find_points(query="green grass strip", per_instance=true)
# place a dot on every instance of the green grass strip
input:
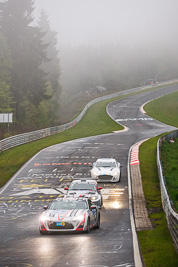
(156, 244)
(164, 109)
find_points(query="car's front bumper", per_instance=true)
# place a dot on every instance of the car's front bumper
(63, 226)
(107, 178)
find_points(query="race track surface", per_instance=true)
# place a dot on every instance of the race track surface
(43, 179)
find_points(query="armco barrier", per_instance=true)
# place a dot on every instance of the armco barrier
(20, 139)
(171, 215)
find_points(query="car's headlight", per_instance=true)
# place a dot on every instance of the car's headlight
(94, 198)
(115, 173)
(44, 218)
(95, 173)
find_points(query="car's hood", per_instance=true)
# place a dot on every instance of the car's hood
(104, 170)
(63, 214)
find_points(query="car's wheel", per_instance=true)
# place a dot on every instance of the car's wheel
(88, 226)
(119, 178)
(98, 222)
(101, 202)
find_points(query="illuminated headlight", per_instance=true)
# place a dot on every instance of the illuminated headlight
(95, 173)
(79, 218)
(94, 198)
(44, 218)
(115, 173)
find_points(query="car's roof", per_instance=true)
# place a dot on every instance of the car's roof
(106, 160)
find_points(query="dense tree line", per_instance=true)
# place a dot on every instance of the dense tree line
(29, 77)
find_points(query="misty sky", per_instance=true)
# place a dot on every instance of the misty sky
(117, 21)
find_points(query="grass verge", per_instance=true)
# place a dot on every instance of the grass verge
(164, 109)
(156, 244)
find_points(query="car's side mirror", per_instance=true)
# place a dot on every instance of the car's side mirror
(66, 188)
(45, 207)
(99, 188)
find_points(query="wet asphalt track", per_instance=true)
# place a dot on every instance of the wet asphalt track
(43, 178)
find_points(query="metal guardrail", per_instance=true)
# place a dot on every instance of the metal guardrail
(20, 139)
(171, 215)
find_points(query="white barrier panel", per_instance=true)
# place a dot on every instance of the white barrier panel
(6, 118)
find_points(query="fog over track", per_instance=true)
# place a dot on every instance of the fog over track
(101, 22)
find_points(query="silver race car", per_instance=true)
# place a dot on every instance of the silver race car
(69, 214)
(88, 188)
(106, 170)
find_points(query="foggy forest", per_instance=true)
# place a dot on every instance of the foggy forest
(55, 55)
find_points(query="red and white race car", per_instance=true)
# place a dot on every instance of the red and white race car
(70, 214)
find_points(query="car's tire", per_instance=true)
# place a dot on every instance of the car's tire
(119, 178)
(98, 222)
(88, 226)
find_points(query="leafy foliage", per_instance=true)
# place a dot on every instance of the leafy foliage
(156, 244)
(5, 94)
(169, 156)
(29, 83)
(52, 65)
(5, 66)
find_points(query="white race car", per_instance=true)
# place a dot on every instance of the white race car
(87, 188)
(69, 214)
(106, 170)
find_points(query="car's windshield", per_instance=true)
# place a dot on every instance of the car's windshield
(82, 186)
(105, 164)
(68, 205)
